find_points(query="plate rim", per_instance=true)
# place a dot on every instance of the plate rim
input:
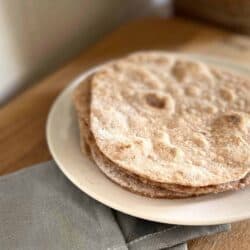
(79, 78)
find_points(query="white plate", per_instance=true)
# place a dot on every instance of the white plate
(63, 141)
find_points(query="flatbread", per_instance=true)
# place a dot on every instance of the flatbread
(128, 181)
(82, 99)
(172, 120)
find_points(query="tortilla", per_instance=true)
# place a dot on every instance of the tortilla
(82, 99)
(171, 120)
(123, 178)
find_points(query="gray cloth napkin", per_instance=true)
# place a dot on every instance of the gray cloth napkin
(41, 209)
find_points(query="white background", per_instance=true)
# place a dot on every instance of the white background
(38, 36)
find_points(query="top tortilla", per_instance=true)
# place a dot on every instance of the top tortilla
(82, 97)
(170, 119)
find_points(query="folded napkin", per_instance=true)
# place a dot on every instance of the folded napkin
(41, 209)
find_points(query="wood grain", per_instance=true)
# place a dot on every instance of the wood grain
(22, 121)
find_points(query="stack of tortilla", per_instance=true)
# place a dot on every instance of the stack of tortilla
(165, 126)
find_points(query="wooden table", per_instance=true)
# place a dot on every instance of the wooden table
(22, 121)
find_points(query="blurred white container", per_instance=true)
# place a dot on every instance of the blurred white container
(37, 36)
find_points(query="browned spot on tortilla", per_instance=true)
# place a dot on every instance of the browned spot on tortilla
(155, 101)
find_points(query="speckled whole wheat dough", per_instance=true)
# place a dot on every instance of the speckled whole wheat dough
(172, 120)
(82, 98)
(131, 182)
